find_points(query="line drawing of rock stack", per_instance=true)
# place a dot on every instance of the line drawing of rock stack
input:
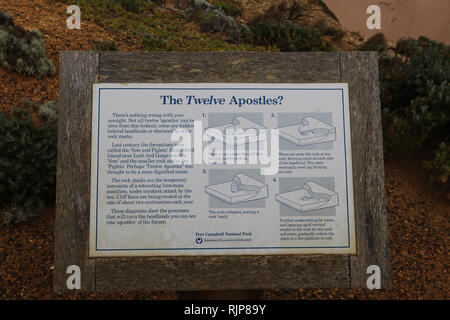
(309, 131)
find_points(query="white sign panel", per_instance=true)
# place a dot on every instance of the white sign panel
(221, 169)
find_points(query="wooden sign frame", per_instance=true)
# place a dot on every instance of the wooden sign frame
(80, 69)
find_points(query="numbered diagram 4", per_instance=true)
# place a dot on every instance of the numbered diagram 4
(241, 188)
(309, 131)
(312, 196)
(238, 125)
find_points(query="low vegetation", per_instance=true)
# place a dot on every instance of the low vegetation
(154, 43)
(288, 36)
(155, 29)
(214, 18)
(325, 29)
(439, 165)
(23, 51)
(229, 7)
(27, 160)
(415, 96)
(107, 45)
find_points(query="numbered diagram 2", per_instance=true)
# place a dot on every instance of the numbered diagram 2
(309, 131)
(240, 189)
(245, 124)
(311, 196)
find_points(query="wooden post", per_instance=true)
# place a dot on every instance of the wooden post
(77, 73)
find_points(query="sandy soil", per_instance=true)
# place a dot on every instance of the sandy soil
(399, 18)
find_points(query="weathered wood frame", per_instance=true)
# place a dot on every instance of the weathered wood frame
(79, 70)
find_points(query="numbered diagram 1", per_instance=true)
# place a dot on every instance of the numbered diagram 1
(239, 124)
(241, 188)
(309, 131)
(312, 196)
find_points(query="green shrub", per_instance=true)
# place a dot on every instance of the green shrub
(327, 30)
(409, 74)
(154, 42)
(288, 36)
(440, 164)
(421, 126)
(212, 18)
(21, 50)
(27, 160)
(375, 43)
(132, 5)
(415, 98)
(230, 8)
(430, 115)
(415, 94)
(108, 45)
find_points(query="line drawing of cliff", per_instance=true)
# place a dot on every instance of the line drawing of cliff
(309, 131)
(239, 122)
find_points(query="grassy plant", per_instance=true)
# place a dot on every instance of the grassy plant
(132, 5)
(153, 42)
(229, 7)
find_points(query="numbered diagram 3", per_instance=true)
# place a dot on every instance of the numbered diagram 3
(308, 132)
(310, 197)
(239, 189)
(244, 124)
